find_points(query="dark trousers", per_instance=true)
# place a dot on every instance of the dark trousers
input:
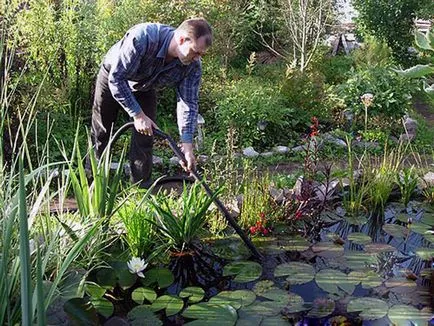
(104, 114)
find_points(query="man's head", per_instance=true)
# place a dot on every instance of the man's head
(193, 37)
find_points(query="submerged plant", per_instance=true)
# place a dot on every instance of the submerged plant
(181, 221)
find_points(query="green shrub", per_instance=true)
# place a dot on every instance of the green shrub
(335, 68)
(372, 53)
(392, 95)
(245, 104)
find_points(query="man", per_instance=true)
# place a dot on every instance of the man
(150, 56)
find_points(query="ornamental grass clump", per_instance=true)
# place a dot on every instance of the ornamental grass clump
(180, 221)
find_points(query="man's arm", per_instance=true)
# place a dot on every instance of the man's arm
(187, 110)
(123, 64)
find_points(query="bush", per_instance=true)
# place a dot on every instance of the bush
(392, 95)
(335, 68)
(246, 103)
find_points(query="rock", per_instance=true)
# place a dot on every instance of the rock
(267, 154)
(334, 140)
(410, 127)
(277, 195)
(202, 158)
(114, 165)
(157, 160)
(250, 152)
(174, 160)
(326, 192)
(127, 169)
(233, 207)
(281, 149)
(300, 148)
(428, 179)
(237, 155)
(367, 144)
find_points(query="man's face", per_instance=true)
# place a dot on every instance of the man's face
(190, 50)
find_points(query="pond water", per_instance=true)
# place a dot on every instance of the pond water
(364, 271)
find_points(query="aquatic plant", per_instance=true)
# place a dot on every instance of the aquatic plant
(181, 221)
(407, 181)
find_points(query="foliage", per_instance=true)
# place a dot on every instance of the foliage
(180, 221)
(335, 69)
(245, 105)
(391, 21)
(391, 98)
(139, 232)
(407, 181)
(372, 53)
(425, 43)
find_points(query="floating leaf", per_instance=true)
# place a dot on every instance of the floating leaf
(230, 248)
(103, 306)
(368, 279)
(403, 315)
(94, 290)
(330, 217)
(297, 243)
(419, 228)
(425, 253)
(205, 311)
(274, 246)
(403, 217)
(236, 299)
(359, 238)
(297, 273)
(395, 230)
(140, 294)
(356, 220)
(428, 218)
(330, 279)
(123, 275)
(158, 276)
(328, 249)
(170, 303)
(142, 315)
(429, 237)
(400, 284)
(244, 271)
(193, 293)
(263, 286)
(369, 308)
(80, 311)
(359, 260)
(263, 308)
(378, 248)
(321, 307)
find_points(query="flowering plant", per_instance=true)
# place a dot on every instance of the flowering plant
(137, 265)
(260, 227)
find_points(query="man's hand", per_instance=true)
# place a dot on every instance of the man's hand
(144, 124)
(187, 149)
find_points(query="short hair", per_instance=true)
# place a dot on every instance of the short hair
(196, 28)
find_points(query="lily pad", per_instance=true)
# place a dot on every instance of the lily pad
(236, 299)
(400, 285)
(230, 248)
(368, 279)
(274, 246)
(140, 294)
(428, 218)
(170, 303)
(359, 260)
(158, 276)
(103, 306)
(359, 238)
(94, 290)
(297, 273)
(322, 307)
(369, 308)
(429, 237)
(330, 280)
(81, 311)
(256, 320)
(403, 315)
(419, 228)
(403, 217)
(425, 253)
(263, 286)
(328, 249)
(296, 243)
(244, 271)
(378, 248)
(208, 312)
(395, 230)
(193, 293)
(261, 308)
(142, 315)
(356, 220)
(124, 278)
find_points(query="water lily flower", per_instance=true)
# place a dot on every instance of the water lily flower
(137, 265)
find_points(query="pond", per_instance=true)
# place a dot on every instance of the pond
(363, 271)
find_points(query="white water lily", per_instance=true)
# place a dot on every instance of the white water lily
(137, 265)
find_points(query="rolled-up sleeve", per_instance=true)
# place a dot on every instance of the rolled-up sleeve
(187, 94)
(126, 64)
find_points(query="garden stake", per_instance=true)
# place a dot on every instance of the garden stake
(195, 174)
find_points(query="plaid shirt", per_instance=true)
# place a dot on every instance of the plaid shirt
(136, 63)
